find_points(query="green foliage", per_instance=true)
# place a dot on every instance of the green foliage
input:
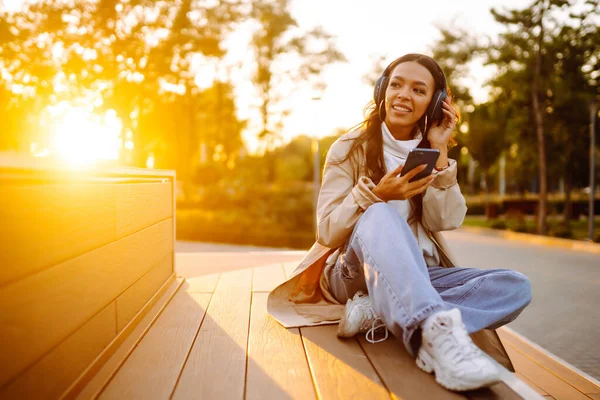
(577, 230)
(454, 51)
(277, 38)
(561, 230)
(486, 138)
(121, 55)
(498, 224)
(292, 168)
(276, 215)
(547, 60)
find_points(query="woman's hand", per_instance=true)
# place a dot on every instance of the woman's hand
(440, 133)
(393, 187)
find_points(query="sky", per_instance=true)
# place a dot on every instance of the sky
(362, 29)
(379, 27)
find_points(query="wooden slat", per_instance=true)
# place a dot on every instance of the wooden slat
(401, 375)
(53, 374)
(340, 368)
(216, 365)
(277, 365)
(101, 376)
(497, 391)
(289, 267)
(141, 205)
(151, 371)
(40, 311)
(133, 299)
(43, 225)
(405, 380)
(202, 263)
(546, 380)
(201, 284)
(566, 373)
(268, 277)
(514, 383)
(531, 384)
(595, 396)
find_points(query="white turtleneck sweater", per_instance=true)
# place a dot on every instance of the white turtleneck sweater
(394, 154)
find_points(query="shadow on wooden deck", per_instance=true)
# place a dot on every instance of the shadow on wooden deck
(214, 339)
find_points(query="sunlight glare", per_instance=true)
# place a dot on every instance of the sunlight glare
(11, 5)
(82, 137)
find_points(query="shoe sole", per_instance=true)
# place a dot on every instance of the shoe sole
(426, 363)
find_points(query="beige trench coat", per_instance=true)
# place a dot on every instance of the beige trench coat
(304, 299)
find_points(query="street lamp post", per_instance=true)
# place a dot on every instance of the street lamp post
(316, 178)
(593, 112)
(316, 163)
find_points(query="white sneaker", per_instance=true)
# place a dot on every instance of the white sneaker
(448, 351)
(359, 317)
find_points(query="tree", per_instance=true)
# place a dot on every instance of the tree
(454, 51)
(529, 32)
(576, 50)
(378, 65)
(486, 137)
(285, 55)
(136, 57)
(570, 117)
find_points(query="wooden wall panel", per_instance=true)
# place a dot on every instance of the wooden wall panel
(134, 298)
(53, 374)
(46, 224)
(140, 205)
(38, 312)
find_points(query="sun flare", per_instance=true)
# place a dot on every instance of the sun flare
(81, 137)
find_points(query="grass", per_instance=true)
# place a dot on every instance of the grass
(577, 229)
(241, 227)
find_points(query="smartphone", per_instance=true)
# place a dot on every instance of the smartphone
(418, 157)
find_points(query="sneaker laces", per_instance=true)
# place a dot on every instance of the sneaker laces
(464, 349)
(370, 335)
(370, 322)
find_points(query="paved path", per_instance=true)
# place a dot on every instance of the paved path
(564, 316)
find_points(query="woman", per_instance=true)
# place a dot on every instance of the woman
(380, 260)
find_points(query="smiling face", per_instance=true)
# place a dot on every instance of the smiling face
(407, 97)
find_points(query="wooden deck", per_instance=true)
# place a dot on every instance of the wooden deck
(210, 337)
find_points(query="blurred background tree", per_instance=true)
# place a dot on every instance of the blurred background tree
(276, 41)
(139, 58)
(161, 69)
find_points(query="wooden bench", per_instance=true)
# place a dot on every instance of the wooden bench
(108, 320)
(83, 255)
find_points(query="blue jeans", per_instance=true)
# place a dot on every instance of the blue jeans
(383, 258)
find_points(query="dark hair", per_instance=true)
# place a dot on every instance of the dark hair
(371, 133)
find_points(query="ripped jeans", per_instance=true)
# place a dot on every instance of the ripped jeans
(383, 258)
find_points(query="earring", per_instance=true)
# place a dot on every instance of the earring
(425, 125)
(382, 110)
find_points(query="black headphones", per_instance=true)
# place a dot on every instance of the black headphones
(434, 112)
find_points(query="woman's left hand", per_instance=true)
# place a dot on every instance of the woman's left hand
(439, 134)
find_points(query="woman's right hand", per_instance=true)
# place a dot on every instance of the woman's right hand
(394, 187)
